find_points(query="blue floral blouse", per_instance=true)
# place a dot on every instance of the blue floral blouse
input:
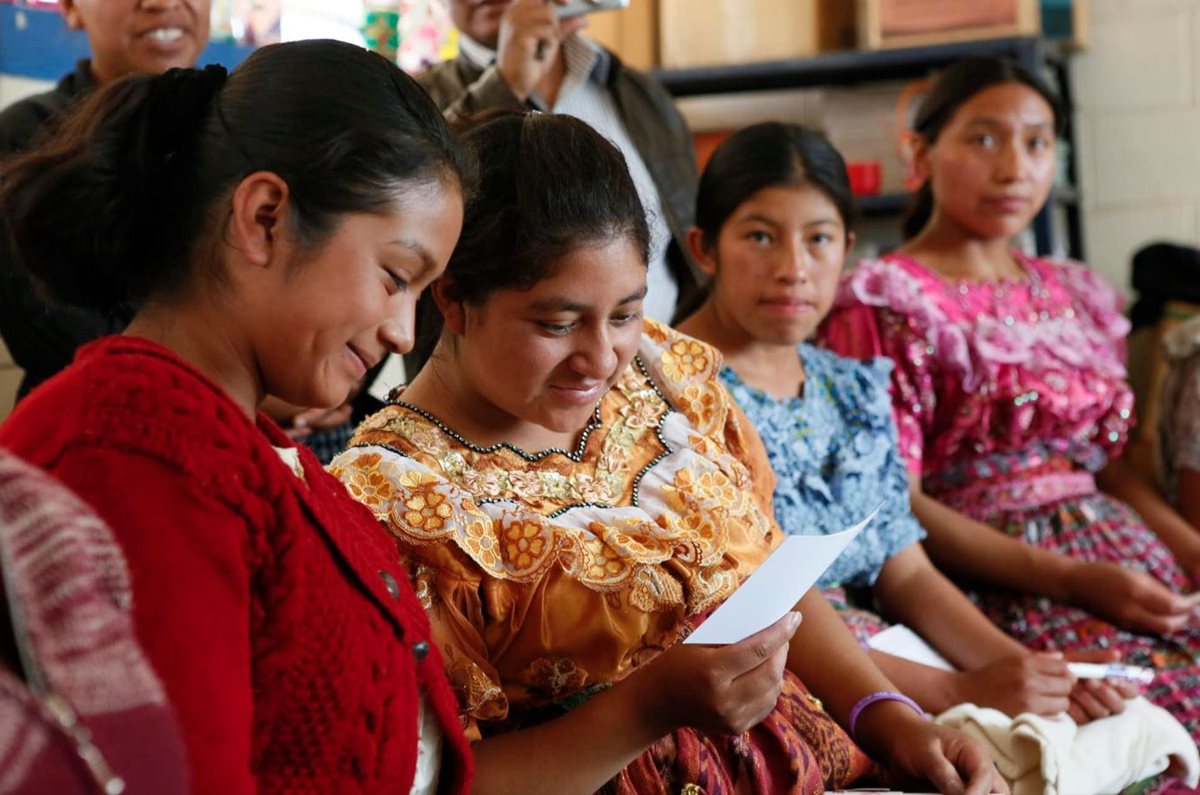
(836, 457)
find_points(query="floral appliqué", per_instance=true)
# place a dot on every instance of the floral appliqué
(366, 483)
(556, 678)
(685, 358)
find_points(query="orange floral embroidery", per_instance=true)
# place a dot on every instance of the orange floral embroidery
(369, 460)
(525, 543)
(681, 493)
(738, 474)
(709, 587)
(592, 489)
(612, 459)
(716, 488)
(482, 484)
(652, 591)
(657, 332)
(632, 381)
(526, 484)
(415, 479)
(557, 677)
(641, 540)
(424, 436)
(602, 568)
(376, 421)
(701, 406)
(481, 543)
(685, 358)
(366, 483)
(643, 413)
(699, 527)
(427, 511)
(422, 581)
(686, 514)
(478, 694)
(705, 447)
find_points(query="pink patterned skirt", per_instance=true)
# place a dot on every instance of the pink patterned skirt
(1063, 512)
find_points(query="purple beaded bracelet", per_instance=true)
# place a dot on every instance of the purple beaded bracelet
(872, 698)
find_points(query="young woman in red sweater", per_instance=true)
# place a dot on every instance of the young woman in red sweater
(272, 231)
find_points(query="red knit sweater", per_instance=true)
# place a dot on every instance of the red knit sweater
(273, 609)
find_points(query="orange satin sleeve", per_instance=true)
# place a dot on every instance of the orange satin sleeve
(453, 599)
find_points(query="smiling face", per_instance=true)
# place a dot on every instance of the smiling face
(479, 19)
(329, 316)
(140, 36)
(776, 263)
(993, 164)
(535, 362)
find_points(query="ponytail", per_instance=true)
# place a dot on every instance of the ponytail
(122, 204)
(96, 212)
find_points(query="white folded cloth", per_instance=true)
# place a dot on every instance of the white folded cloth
(1054, 756)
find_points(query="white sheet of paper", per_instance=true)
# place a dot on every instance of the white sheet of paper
(775, 586)
(900, 641)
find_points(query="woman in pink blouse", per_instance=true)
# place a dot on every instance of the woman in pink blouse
(1010, 396)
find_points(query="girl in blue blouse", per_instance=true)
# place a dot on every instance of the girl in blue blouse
(773, 230)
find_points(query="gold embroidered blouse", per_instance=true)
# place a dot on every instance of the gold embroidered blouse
(547, 576)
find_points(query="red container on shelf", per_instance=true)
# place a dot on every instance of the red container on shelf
(866, 177)
(705, 143)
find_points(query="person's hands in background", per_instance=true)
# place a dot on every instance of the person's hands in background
(530, 35)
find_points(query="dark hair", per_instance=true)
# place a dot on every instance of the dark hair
(116, 207)
(762, 156)
(955, 86)
(768, 155)
(546, 185)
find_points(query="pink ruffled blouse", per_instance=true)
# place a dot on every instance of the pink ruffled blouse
(993, 380)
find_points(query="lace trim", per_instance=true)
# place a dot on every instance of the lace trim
(603, 547)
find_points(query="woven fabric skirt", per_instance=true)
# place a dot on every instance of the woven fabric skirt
(797, 750)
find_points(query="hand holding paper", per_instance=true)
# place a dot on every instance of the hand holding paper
(776, 586)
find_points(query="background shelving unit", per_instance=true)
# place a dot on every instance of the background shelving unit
(859, 67)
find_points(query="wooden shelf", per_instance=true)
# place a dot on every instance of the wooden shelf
(882, 204)
(845, 68)
(855, 67)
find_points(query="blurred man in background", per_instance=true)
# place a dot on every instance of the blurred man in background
(517, 54)
(125, 37)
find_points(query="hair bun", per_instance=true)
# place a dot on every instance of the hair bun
(178, 103)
